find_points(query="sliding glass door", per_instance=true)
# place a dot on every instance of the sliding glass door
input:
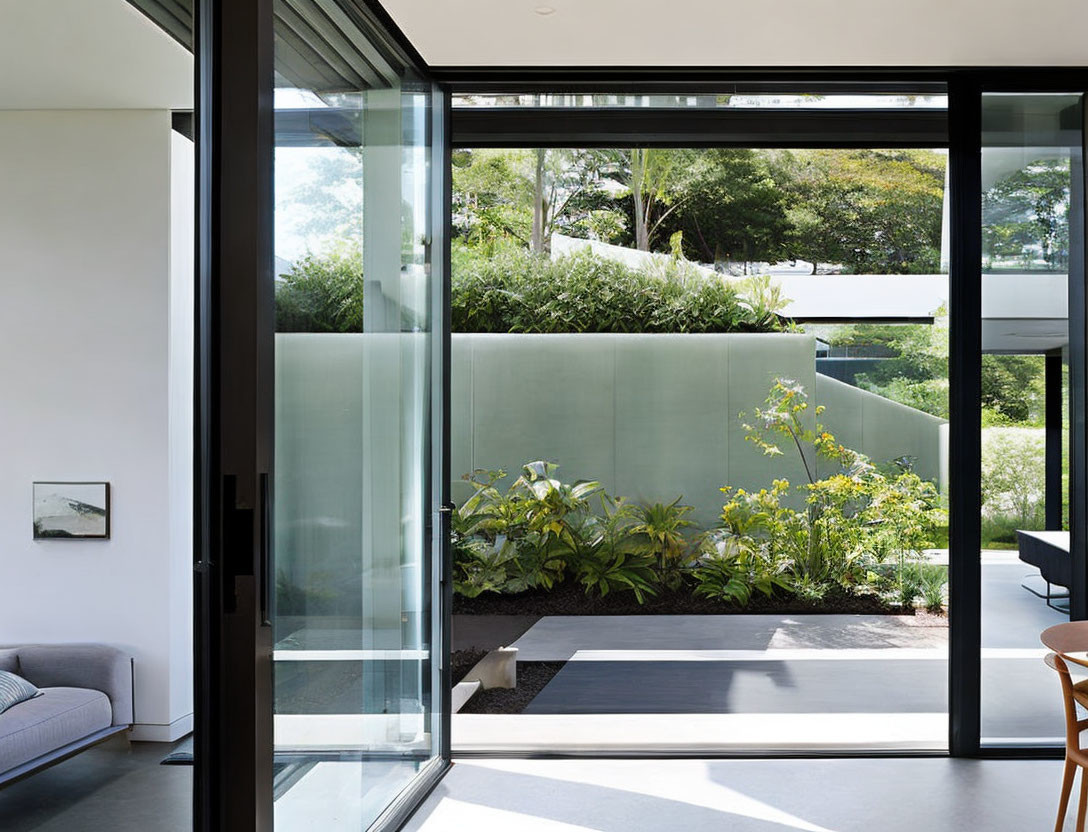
(320, 472)
(1032, 373)
(357, 693)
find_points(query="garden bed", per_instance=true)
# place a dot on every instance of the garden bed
(571, 599)
(462, 661)
(532, 677)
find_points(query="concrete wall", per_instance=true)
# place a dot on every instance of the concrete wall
(883, 429)
(92, 324)
(340, 463)
(653, 417)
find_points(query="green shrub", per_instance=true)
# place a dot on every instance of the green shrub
(542, 531)
(732, 568)
(1013, 476)
(659, 529)
(853, 522)
(517, 291)
(606, 555)
(927, 581)
(521, 539)
(999, 531)
(514, 290)
(322, 294)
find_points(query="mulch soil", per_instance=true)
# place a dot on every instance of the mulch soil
(571, 599)
(532, 677)
(462, 661)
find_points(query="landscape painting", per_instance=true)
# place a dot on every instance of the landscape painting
(71, 510)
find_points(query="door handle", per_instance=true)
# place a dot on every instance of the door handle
(265, 554)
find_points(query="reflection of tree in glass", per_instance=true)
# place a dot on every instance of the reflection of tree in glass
(328, 202)
(1025, 217)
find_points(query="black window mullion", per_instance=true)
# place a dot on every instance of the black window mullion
(695, 127)
(965, 412)
(1078, 384)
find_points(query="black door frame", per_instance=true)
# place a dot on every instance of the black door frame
(960, 131)
(234, 421)
(234, 325)
(233, 445)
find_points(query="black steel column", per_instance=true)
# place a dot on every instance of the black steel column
(1055, 416)
(233, 442)
(965, 410)
(1078, 381)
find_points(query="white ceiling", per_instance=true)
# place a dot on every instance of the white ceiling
(88, 54)
(746, 33)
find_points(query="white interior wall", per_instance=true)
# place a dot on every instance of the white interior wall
(180, 383)
(89, 54)
(92, 327)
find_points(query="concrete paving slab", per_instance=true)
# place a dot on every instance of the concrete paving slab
(558, 638)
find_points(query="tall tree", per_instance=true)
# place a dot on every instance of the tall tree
(653, 176)
(872, 211)
(540, 201)
(526, 195)
(731, 208)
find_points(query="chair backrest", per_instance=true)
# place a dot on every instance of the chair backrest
(1072, 730)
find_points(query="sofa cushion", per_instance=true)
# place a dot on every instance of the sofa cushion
(14, 689)
(53, 720)
(94, 666)
(9, 660)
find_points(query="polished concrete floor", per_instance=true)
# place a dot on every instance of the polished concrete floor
(114, 787)
(123, 789)
(848, 795)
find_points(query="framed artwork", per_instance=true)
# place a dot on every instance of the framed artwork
(71, 510)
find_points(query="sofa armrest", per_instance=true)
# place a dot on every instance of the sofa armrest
(94, 666)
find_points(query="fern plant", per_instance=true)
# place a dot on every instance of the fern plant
(518, 540)
(607, 556)
(659, 528)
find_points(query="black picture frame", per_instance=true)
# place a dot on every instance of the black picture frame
(87, 502)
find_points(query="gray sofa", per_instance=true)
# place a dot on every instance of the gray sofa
(1049, 551)
(86, 698)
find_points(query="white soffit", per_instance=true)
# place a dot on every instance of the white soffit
(89, 54)
(746, 33)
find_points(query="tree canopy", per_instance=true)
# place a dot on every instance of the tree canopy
(1024, 217)
(868, 211)
(873, 211)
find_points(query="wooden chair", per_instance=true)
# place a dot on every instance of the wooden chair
(1075, 754)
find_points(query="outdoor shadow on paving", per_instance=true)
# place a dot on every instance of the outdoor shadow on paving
(715, 687)
(487, 632)
(597, 807)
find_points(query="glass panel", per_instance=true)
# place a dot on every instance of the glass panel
(664, 325)
(354, 673)
(733, 100)
(1031, 170)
